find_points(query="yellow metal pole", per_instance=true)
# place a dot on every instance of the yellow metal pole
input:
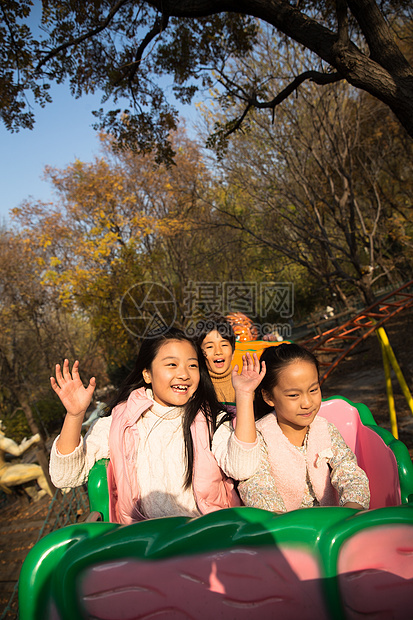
(393, 361)
(389, 390)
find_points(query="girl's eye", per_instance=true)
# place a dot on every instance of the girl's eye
(292, 395)
(315, 389)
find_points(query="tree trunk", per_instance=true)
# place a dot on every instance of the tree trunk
(365, 287)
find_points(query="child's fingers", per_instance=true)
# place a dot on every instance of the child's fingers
(75, 369)
(249, 360)
(54, 385)
(66, 371)
(91, 387)
(263, 369)
(256, 362)
(59, 377)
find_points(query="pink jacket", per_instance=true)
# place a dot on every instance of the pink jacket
(212, 489)
(289, 465)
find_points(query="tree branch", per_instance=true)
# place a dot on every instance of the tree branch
(238, 122)
(386, 74)
(159, 26)
(342, 23)
(314, 76)
(379, 37)
(91, 33)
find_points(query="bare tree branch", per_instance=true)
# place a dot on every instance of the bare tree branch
(314, 76)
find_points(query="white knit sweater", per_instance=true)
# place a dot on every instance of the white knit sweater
(160, 460)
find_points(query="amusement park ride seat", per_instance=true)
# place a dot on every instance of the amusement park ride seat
(385, 460)
(238, 563)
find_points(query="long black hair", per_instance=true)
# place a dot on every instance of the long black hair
(276, 358)
(204, 398)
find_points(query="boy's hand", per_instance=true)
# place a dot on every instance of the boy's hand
(251, 375)
(69, 388)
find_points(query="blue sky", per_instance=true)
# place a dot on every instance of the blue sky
(62, 133)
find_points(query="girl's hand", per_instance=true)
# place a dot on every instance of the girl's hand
(69, 388)
(251, 375)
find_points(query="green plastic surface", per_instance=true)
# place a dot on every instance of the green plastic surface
(97, 487)
(53, 568)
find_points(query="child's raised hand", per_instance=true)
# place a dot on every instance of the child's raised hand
(251, 375)
(70, 389)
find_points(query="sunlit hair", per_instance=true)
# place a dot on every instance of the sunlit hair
(203, 400)
(219, 323)
(276, 358)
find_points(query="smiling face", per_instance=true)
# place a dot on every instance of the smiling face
(218, 352)
(296, 398)
(174, 373)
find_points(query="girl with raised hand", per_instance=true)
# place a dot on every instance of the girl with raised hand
(157, 433)
(305, 461)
